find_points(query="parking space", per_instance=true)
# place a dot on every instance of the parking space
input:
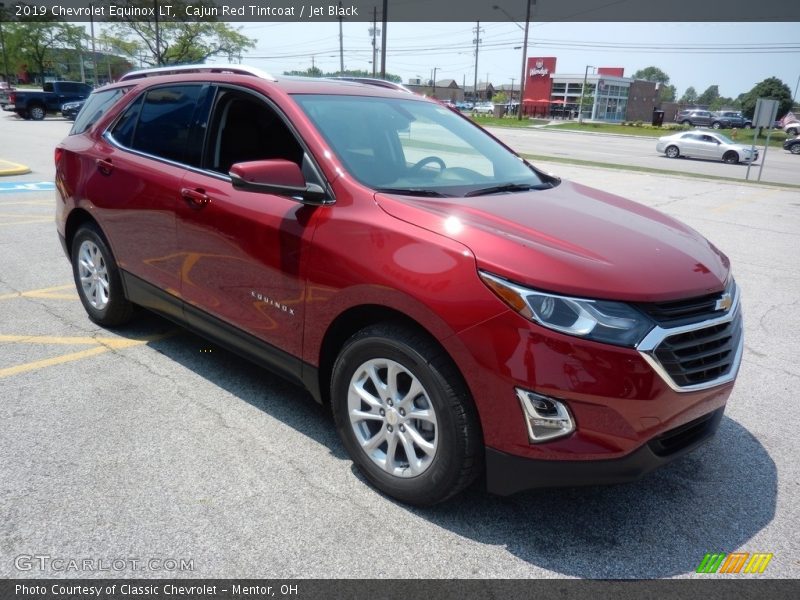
(148, 442)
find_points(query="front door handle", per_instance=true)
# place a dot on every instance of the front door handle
(105, 166)
(197, 198)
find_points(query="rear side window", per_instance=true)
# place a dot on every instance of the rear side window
(96, 106)
(162, 123)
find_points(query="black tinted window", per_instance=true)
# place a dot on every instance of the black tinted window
(165, 122)
(96, 106)
(123, 131)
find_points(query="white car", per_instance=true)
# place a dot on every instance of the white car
(485, 108)
(705, 144)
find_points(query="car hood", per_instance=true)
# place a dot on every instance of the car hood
(575, 240)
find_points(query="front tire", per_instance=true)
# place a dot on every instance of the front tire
(672, 152)
(730, 158)
(795, 149)
(716, 125)
(405, 415)
(97, 278)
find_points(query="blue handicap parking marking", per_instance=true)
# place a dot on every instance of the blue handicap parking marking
(10, 187)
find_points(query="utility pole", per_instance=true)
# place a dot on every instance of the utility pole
(158, 34)
(477, 42)
(434, 81)
(524, 58)
(94, 56)
(583, 90)
(374, 33)
(341, 42)
(383, 38)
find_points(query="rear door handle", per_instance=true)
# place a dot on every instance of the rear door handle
(105, 166)
(197, 198)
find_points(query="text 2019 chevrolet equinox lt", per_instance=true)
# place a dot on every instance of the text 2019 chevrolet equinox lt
(461, 311)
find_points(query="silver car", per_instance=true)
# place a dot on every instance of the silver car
(705, 144)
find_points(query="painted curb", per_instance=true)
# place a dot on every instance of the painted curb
(10, 168)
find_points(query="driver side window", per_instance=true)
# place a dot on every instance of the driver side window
(244, 128)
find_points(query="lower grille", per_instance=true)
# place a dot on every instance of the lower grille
(686, 436)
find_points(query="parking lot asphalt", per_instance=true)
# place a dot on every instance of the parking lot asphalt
(149, 443)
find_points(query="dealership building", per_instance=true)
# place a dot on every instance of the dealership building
(598, 94)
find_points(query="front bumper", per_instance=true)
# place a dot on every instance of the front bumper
(507, 474)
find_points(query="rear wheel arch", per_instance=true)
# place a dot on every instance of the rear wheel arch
(75, 219)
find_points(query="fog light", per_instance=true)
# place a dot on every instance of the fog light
(546, 418)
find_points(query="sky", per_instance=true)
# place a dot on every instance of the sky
(734, 56)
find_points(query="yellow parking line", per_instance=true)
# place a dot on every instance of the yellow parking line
(50, 292)
(102, 344)
(108, 342)
(49, 362)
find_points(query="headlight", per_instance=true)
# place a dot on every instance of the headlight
(599, 320)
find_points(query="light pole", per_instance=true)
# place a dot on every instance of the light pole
(524, 49)
(583, 91)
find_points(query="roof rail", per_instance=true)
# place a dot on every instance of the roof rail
(200, 68)
(374, 81)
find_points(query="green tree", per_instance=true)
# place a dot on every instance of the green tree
(689, 96)
(652, 74)
(38, 46)
(179, 40)
(708, 97)
(772, 88)
(667, 93)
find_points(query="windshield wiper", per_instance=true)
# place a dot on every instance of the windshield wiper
(412, 192)
(509, 187)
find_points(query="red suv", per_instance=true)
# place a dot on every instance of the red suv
(460, 310)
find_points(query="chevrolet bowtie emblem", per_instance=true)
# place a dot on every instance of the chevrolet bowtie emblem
(724, 303)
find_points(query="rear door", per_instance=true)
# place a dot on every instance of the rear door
(137, 182)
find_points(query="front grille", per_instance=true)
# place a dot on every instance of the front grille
(691, 310)
(701, 355)
(687, 435)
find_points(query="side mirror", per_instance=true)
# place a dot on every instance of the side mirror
(275, 176)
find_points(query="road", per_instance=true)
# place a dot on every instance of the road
(149, 443)
(779, 166)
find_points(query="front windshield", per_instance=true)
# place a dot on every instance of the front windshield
(725, 139)
(410, 145)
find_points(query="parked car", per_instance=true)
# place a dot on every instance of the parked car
(70, 110)
(695, 117)
(35, 104)
(728, 119)
(460, 311)
(792, 128)
(792, 145)
(483, 108)
(705, 144)
(5, 91)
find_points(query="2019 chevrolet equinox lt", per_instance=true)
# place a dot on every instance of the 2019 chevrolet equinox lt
(461, 311)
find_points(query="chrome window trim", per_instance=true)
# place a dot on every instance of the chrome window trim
(652, 340)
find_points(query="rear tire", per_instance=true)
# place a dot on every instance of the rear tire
(97, 278)
(405, 415)
(716, 125)
(37, 112)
